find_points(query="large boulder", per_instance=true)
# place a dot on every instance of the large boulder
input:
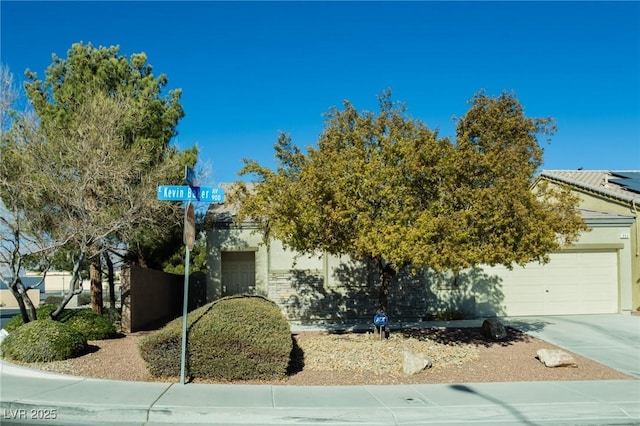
(492, 329)
(555, 358)
(414, 363)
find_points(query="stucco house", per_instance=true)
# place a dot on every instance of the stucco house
(600, 273)
(7, 300)
(610, 201)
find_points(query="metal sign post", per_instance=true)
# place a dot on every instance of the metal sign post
(189, 238)
(188, 193)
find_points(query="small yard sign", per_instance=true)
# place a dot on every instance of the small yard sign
(380, 320)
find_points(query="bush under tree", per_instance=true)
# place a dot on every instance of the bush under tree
(91, 325)
(234, 338)
(42, 312)
(43, 340)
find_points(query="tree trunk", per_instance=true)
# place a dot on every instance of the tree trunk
(112, 284)
(31, 309)
(74, 288)
(95, 276)
(27, 310)
(386, 272)
(141, 261)
(383, 294)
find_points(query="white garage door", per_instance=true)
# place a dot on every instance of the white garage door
(571, 283)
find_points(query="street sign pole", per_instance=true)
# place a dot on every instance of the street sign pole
(183, 354)
(188, 193)
(189, 238)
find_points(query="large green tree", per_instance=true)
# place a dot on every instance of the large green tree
(24, 229)
(384, 187)
(107, 123)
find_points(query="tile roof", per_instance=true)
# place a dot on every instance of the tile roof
(620, 185)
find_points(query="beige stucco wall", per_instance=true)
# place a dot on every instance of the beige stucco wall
(274, 264)
(59, 281)
(231, 240)
(54, 281)
(319, 295)
(8, 301)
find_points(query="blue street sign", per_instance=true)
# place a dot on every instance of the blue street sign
(205, 194)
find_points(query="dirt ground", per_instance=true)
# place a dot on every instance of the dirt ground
(321, 358)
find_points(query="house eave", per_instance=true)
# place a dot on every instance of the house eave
(620, 198)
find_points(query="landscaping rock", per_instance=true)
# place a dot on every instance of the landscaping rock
(414, 363)
(555, 358)
(493, 329)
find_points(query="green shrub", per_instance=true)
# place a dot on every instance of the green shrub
(114, 315)
(43, 341)
(84, 298)
(234, 338)
(42, 312)
(91, 325)
(85, 321)
(53, 300)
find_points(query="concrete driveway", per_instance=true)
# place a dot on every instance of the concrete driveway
(612, 340)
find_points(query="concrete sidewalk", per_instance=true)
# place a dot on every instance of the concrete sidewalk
(33, 397)
(74, 400)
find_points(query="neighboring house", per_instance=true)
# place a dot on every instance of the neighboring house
(54, 281)
(610, 253)
(57, 282)
(600, 273)
(7, 300)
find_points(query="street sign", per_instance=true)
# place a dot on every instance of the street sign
(189, 236)
(190, 176)
(186, 193)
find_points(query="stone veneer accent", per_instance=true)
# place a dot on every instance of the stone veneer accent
(304, 298)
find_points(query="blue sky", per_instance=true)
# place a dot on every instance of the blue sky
(251, 69)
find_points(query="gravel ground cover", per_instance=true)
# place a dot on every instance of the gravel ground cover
(322, 358)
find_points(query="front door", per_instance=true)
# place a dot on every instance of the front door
(238, 272)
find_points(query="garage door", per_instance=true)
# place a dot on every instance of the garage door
(571, 283)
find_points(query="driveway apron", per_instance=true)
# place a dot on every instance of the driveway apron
(612, 340)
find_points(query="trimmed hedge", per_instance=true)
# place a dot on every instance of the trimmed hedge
(84, 298)
(85, 321)
(234, 338)
(91, 325)
(42, 312)
(53, 300)
(43, 341)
